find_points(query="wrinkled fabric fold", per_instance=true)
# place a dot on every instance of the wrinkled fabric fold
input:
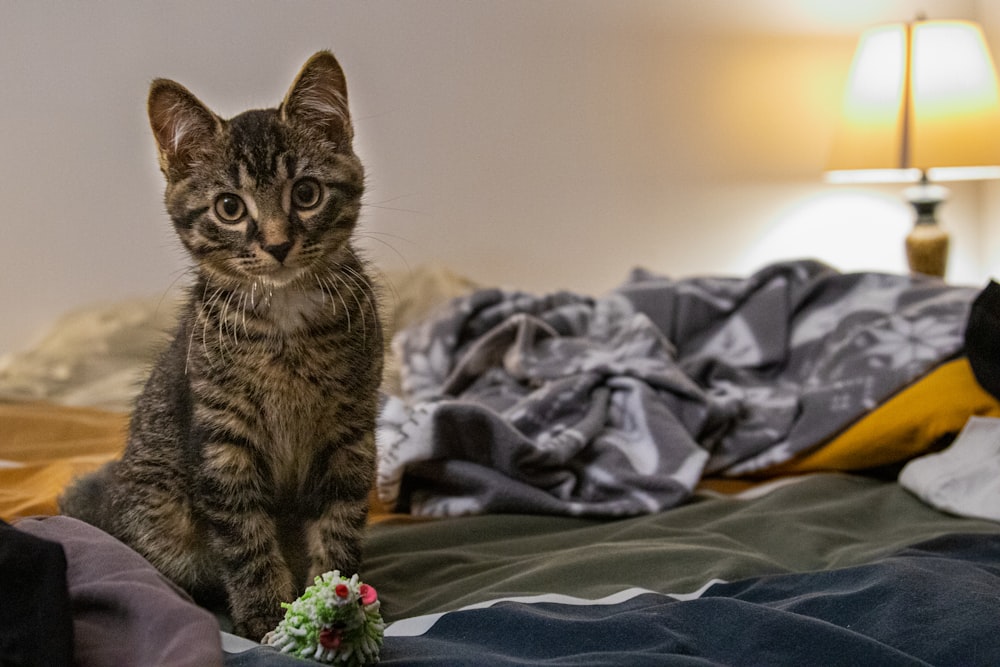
(618, 405)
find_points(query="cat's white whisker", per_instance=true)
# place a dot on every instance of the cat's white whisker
(199, 313)
(187, 357)
(374, 236)
(385, 280)
(243, 311)
(230, 325)
(369, 292)
(223, 335)
(325, 293)
(204, 314)
(347, 311)
(219, 311)
(343, 277)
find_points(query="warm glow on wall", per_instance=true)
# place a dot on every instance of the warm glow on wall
(827, 226)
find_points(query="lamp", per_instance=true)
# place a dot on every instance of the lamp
(921, 106)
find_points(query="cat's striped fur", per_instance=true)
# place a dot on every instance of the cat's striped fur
(251, 449)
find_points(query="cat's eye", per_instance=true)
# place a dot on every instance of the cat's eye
(230, 208)
(306, 194)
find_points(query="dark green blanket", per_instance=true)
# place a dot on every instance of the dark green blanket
(819, 523)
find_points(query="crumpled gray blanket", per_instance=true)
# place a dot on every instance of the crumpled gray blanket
(612, 406)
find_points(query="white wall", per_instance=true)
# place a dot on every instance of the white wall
(536, 144)
(988, 12)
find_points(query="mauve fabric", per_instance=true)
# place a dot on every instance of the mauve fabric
(124, 611)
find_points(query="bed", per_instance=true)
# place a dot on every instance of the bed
(798, 466)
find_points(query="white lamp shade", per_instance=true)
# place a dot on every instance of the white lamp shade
(921, 97)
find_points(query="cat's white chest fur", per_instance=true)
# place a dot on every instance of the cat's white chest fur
(291, 310)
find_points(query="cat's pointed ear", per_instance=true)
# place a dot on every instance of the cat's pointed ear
(317, 100)
(182, 126)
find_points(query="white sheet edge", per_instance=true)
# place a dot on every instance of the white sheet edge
(419, 625)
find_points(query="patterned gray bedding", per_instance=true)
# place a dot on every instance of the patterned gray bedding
(619, 405)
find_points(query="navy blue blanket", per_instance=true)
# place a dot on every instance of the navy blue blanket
(936, 603)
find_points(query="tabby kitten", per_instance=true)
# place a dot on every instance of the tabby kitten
(251, 449)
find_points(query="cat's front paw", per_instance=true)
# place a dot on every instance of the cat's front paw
(258, 628)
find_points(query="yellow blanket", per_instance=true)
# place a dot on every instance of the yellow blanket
(907, 425)
(43, 446)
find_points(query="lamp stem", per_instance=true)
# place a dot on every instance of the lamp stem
(927, 243)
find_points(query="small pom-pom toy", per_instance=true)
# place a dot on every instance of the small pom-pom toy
(336, 621)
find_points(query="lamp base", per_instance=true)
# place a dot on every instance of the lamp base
(927, 244)
(927, 250)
